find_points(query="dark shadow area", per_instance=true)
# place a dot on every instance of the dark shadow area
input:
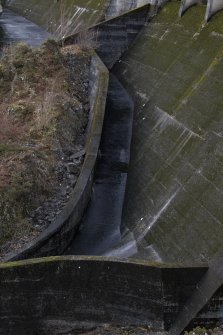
(100, 228)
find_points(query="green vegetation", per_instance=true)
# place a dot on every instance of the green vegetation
(196, 331)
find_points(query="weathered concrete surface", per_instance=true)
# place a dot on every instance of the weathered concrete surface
(55, 239)
(174, 198)
(100, 227)
(64, 17)
(185, 4)
(113, 37)
(43, 296)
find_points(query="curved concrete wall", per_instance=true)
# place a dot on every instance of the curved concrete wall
(213, 6)
(55, 239)
(39, 296)
(185, 4)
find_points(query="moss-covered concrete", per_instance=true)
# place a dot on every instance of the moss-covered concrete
(174, 197)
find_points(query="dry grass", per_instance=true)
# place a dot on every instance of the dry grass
(86, 38)
(44, 114)
(29, 109)
(10, 130)
(36, 105)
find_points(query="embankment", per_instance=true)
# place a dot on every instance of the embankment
(55, 239)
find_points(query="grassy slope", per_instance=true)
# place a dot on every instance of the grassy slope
(36, 105)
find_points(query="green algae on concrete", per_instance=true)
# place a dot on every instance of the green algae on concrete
(62, 17)
(174, 195)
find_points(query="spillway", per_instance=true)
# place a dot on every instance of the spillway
(174, 193)
(172, 210)
(172, 205)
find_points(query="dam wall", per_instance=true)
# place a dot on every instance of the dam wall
(61, 293)
(113, 37)
(55, 239)
(173, 199)
(176, 198)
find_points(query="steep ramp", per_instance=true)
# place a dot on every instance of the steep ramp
(174, 194)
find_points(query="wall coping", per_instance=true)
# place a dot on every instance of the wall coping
(94, 259)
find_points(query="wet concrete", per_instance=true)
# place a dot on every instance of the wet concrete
(100, 228)
(15, 28)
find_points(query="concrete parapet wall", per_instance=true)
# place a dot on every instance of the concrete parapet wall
(55, 239)
(39, 296)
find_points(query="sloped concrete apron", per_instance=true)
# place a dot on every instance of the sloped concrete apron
(55, 239)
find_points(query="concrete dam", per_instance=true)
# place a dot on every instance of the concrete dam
(150, 215)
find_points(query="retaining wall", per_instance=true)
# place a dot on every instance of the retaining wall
(55, 295)
(55, 239)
